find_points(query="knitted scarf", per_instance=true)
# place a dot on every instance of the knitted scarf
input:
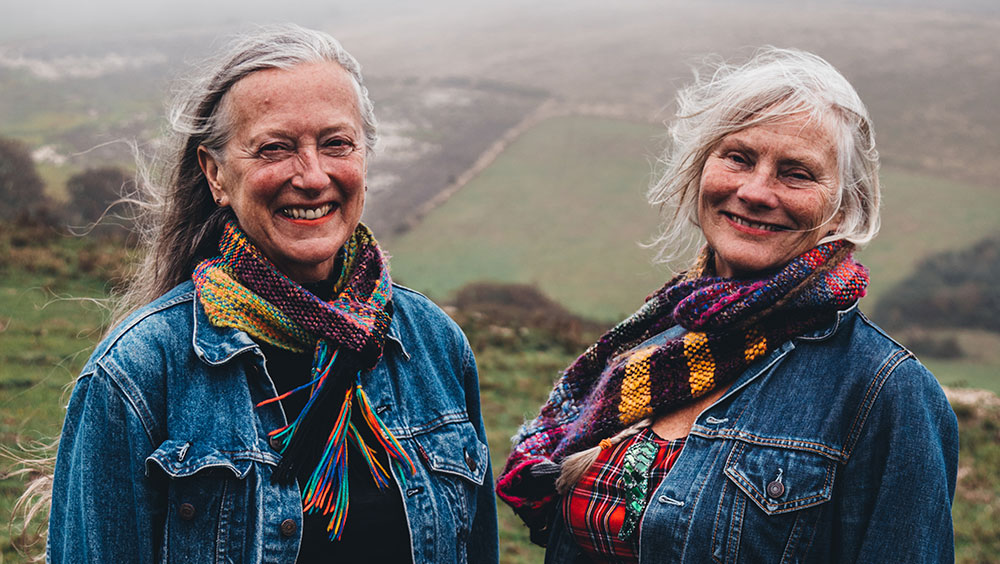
(730, 324)
(242, 289)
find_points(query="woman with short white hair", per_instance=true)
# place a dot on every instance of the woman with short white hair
(749, 412)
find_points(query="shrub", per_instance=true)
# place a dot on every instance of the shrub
(951, 289)
(92, 191)
(21, 189)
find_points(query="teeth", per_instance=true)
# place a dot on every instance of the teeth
(755, 225)
(307, 213)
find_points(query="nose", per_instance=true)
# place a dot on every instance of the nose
(757, 190)
(309, 174)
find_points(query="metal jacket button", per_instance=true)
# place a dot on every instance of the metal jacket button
(186, 511)
(288, 527)
(470, 462)
(775, 489)
(275, 443)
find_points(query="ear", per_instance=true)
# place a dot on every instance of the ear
(210, 168)
(834, 224)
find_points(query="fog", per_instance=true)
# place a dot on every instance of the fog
(929, 75)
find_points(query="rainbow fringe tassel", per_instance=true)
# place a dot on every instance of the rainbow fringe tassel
(326, 491)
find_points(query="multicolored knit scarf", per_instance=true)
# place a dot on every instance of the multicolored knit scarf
(730, 324)
(242, 289)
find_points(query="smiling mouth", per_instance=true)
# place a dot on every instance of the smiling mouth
(307, 213)
(753, 224)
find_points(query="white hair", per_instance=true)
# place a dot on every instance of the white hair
(772, 86)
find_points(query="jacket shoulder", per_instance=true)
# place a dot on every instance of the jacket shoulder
(414, 314)
(164, 319)
(889, 382)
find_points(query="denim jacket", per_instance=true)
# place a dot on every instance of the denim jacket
(164, 457)
(837, 447)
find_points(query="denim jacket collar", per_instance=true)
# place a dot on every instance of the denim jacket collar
(762, 365)
(826, 332)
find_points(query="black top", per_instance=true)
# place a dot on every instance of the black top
(376, 528)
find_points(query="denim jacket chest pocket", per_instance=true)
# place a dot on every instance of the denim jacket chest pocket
(457, 465)
(206, 501)
(772, 497)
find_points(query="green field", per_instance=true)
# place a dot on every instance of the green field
(45, 338)
(564, 208)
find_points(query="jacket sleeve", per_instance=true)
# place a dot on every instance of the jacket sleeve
(483, 544)
(103, 508)
(898, 486)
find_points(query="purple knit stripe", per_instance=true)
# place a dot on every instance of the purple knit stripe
(351, 323)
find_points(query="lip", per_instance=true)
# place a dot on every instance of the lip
(756, 227)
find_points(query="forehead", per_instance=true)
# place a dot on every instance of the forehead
(307, 92)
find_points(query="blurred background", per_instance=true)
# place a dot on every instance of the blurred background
(517, 141)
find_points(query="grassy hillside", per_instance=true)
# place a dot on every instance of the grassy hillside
(564, 208)
(924, 215)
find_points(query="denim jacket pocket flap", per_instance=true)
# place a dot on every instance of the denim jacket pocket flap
(455, 448)
(780, 480)
(180, 459)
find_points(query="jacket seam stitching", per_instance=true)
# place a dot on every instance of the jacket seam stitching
(745, 437)
(871, 395)
(117, 377)
(697, 498)
(432, 425)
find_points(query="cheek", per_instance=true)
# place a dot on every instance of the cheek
(813, 209)
(263, 182)
(714, 184)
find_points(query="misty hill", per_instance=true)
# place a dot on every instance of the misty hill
(951, 289)
(929, 75)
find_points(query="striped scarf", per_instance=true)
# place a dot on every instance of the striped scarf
(729, 324)
(242, 289)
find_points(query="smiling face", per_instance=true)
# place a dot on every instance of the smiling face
(766, 195)
(294, 169)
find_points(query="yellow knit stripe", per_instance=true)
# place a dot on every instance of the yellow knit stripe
(756, 344)
(700, 363)
(221, 298)
(635, 400)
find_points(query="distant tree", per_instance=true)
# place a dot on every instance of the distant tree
(21, 189)
(93, 190)
(951, 289)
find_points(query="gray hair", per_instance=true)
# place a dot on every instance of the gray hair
(178, 221)
(773, 85)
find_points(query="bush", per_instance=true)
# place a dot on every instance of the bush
(517, 316)
(951, 289)
(22, 191)
(92, 191)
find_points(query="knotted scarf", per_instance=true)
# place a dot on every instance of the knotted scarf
(242, 289)
(729, 324)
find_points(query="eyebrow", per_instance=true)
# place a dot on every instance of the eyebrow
(804, 160)
(331, 129)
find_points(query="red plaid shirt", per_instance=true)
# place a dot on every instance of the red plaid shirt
(594, 509)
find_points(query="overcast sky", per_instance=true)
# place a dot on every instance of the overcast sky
(25, 20)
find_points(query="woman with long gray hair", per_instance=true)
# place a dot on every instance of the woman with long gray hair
(269, 395)
(749, 412)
